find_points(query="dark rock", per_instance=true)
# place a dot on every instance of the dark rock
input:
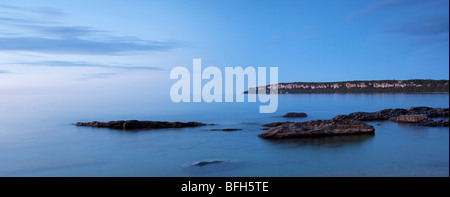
(430, 112)
(295, 115)
(435, 123)
(315, 128)
(204, 163)
(274, 124)
(135, 124)
(225, 129)
(358, 116)
(413, 118)
(386, 114)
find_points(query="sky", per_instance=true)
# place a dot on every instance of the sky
(114, 46)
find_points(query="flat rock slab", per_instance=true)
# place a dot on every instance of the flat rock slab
(317, 128)
(135, 124)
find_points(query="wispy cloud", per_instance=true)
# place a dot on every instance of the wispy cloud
(82, 46)
(97, 76)
(85, 64)
(27, 32)
(389, 5)
(3, 71)
(42, 11)
(428, 29)
(61, 31)
(423, 21)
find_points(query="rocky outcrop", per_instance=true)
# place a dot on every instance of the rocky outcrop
(414, 115)
(413, 118)
(435, 123)
(386, 114)
(295, 115)
(135, 124)
(367, 116)
(315, 128)
(275, 124)
(350, 124)
(420, 119)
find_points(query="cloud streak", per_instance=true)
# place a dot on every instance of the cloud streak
(42, 11)
(97, 76)
(36, 34)
(426, 26)
(82, 46)
(84, 64)
(389, 5)
(424, 21)
(429, 29)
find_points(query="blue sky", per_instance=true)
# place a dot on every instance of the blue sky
(67, 45)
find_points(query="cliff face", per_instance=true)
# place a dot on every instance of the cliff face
(381, 86)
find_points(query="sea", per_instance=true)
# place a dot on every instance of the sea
(38, 138)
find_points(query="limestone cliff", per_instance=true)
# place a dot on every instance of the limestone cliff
(379, 86)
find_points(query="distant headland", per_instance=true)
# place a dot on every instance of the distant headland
(374, 86)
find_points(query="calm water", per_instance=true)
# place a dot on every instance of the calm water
(37, 138)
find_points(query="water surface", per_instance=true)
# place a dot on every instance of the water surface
(37, 138)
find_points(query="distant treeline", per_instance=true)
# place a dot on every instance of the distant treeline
(375, 86)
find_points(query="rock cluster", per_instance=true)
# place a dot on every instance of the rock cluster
(351, 124)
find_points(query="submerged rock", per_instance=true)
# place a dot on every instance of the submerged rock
(295, 115)
(135, 124)
(207, 162)
(204, 163)
(230, 129)
(315, 128)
